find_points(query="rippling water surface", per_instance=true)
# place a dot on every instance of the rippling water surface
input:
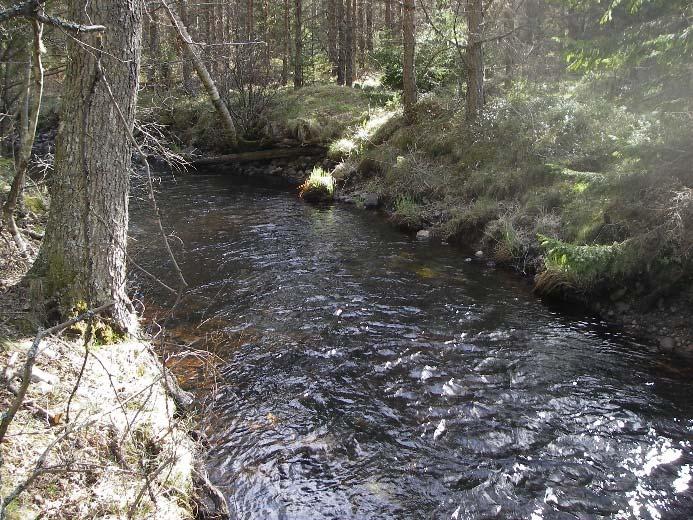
(371, 376)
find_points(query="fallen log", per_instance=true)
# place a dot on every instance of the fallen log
(258, 155)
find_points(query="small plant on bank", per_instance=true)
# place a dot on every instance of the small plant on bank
(319, 187)
(408, 213)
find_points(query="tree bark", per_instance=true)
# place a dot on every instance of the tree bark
(474, 60)
(82, 259)
(203, 74)
(408, 71)
(298, 44)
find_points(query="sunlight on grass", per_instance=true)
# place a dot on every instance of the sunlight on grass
(319, 187)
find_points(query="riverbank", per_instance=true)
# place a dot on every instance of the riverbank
(97, 435)
(589, 199)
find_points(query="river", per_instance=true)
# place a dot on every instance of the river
(368, 375)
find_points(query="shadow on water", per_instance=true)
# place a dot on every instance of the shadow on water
(367, 375)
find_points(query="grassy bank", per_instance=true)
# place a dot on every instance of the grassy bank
(593, 198)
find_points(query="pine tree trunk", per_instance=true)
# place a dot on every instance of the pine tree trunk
(408, 71)
(82, 259)
(154, 49)
(342, 32)
(349, 45)
(369, 25)
(388, 17)
(286, 54)
(250, 20)
(187, 66)
(332, 33)
(266, 37)
(474, 61)
(360, 30)
(298, 44)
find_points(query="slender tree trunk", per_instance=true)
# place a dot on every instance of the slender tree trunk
(250, 20)
(475, 60)
(342, 39)
(154, 50)
(82, 259)
(349, 44)
(360, 30)
(286, 51)
(508, 51)
(408, 71)
(332, 34)
(28, 120)
(369, 25)
(298, 44)
(203, 74)
(266, 36)
(388, 17)
(187, 66)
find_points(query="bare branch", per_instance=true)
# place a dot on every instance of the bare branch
(33, 10)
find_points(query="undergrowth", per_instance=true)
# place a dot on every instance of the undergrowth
(562, 182)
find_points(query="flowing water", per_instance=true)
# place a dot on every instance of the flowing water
(367, 375)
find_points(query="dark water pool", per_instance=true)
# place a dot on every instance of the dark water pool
(367, 375)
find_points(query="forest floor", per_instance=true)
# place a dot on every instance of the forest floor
(95, 436)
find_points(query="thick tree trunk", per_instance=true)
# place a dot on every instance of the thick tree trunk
(298, 44)
(408, 71)
(203, 74)
(82, 259)
(474, 60)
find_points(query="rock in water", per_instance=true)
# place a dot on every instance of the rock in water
(428, 372)
(424, 234)
(451, 388)
(439, 430)
(371, 201)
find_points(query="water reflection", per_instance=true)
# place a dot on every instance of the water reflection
(370, 376)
